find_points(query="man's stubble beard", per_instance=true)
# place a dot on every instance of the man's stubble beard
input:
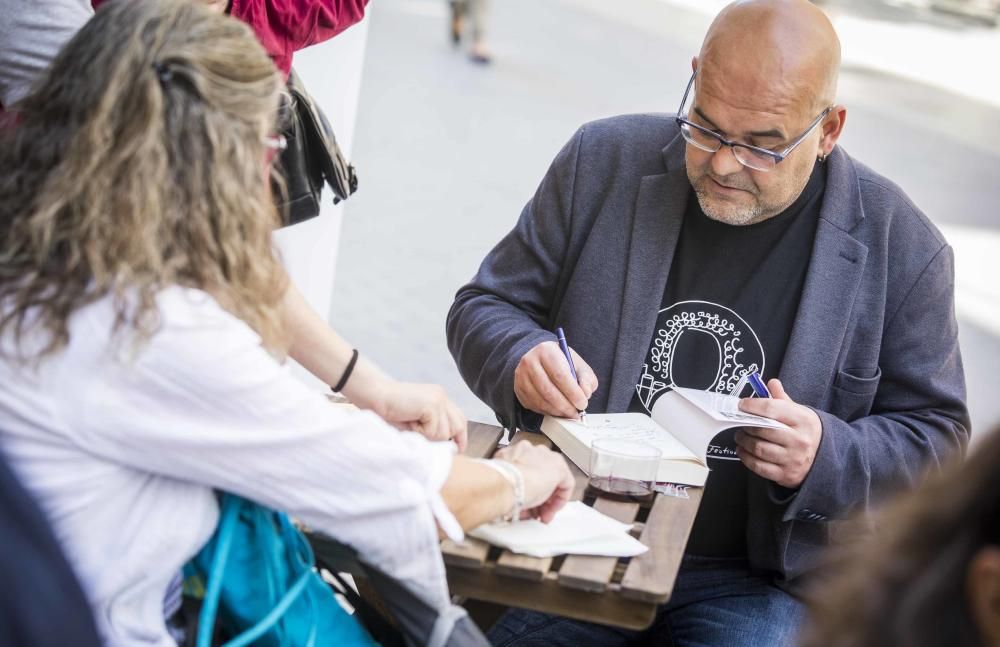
(740, 218)
(730, 215)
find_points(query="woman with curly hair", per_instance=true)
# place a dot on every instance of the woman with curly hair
(31, 34)
(141, 334)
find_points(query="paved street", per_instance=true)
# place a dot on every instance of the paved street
(448, 152)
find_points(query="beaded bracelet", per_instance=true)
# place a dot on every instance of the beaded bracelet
(512, 474)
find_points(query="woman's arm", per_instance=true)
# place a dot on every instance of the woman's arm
(424, 408)
(473, 492)
(476, 493)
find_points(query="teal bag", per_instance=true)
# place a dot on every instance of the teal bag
(257, 577)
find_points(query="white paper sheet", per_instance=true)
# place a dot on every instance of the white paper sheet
(578, 529)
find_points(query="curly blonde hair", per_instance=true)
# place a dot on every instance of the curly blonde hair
(140, 163)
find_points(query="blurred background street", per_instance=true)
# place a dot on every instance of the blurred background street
(448, 151)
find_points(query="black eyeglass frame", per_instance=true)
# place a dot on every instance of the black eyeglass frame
(682, 121)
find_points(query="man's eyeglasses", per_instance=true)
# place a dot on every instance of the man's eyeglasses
(759, 159)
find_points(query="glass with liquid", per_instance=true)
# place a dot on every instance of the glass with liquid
(623, 470)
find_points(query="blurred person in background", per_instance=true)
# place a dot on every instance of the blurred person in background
(469, 16)
(930, 575)
(142, 332)
(39, 584)
(32, 33)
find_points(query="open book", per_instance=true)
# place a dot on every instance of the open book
(682, 426)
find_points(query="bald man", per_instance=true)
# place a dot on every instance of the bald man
(691, 249)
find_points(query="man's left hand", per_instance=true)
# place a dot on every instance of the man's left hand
(784, 456)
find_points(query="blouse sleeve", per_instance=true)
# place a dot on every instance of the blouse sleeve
(204, 402)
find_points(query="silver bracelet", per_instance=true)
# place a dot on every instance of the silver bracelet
(512, 474)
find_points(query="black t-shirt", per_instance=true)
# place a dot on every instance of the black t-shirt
(728, 309)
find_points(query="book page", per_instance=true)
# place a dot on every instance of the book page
(627, 426)
(695, 417)
(726, 409)
(687, 423)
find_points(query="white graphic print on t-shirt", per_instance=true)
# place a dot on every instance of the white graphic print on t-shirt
(739, 353)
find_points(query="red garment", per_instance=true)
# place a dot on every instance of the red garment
(8, 119)
(285, 26)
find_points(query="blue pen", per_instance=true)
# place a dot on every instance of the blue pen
(758, 386)
(572, 368)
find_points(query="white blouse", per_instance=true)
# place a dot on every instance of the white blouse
(124, 454)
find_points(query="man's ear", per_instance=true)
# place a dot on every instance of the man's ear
(832, 128)
(982, 585)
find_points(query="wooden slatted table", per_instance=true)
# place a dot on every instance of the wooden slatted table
(607, 590)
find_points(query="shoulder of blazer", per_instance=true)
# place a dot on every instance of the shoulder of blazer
(883, 198)
(632, 141)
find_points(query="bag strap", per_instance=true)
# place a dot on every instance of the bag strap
(213, 590)
(381, 629)
(444, 626)
(272, 618)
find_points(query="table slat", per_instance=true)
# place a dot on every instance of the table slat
(523, 566)
(548, 596)
(650, 576)
(591, 573)
(483, 440)
(533, 438)
(470, 553)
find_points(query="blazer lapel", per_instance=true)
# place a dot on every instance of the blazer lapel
(831, 285)
(656, 226)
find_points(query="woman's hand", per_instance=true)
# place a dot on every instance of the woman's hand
(423, 408)
(548, 482)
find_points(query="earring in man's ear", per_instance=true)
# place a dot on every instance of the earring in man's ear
(821, 158)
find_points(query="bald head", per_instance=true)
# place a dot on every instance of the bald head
(766, 78)
(782, 51)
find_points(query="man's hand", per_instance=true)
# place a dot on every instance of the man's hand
(424, 408)
(784, 456)
(548, 482)
(543, 382)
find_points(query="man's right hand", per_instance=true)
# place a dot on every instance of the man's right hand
(543, 382)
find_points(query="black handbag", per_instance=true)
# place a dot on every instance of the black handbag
(311, 159)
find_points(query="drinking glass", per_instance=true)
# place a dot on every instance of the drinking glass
(623, 470)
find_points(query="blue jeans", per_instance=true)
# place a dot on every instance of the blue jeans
(715, 602)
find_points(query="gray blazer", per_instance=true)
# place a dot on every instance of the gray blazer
(874, 348)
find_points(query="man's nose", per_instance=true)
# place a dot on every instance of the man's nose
(724, 162)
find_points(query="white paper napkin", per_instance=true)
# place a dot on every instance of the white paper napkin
(577, 529)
